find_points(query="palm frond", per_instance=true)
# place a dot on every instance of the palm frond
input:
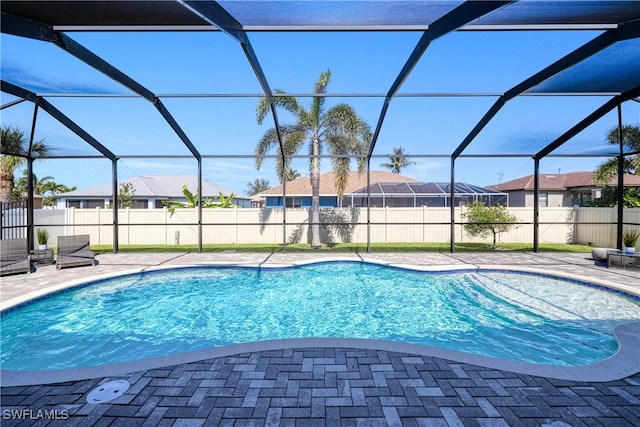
(341, 168)
(635, 163)
(262, 109)
(39, 149)
(15, 148)
(387, 165)
(630, 137)
(268, 141)
(609, 169)
(12, 141)
(343, 117)
(317, 104)
(294, 138)
(288, 103)
(258, 185)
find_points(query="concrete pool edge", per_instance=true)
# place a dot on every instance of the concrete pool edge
(623, 363)
(4, 305)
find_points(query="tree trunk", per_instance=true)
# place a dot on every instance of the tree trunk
(6, 186)
(315, 195)
(494, 240)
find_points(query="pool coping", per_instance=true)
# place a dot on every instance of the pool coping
(623, 363)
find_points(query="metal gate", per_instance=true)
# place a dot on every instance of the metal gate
(14, 220)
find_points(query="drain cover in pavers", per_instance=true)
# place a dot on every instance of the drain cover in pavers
(108, 391)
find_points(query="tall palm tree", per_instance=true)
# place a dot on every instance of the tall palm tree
(14, 155)
(397, 161)
(257, 186)
(337, 129)
(631, 142)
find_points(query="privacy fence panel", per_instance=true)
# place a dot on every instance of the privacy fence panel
(54, 221)
(422, 224)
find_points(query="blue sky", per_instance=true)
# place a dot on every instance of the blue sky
(361, 63)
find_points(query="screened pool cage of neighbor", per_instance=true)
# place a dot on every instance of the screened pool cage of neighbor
(469, 89)
(419, 194)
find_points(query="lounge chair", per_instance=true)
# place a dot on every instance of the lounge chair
(74, 251)
(14, 257)
(600, 254)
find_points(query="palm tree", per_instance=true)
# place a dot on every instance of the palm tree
(257, 186)
(14, 155)
(337, 129)
(292, 174)
(631, 142)
(54, 188)
(40, 186)
(398, 161)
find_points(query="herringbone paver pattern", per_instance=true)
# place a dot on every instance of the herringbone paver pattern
(333, 387)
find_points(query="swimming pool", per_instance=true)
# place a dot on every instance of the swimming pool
(516, 316)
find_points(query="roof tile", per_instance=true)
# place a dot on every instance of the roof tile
(562, 181)
(356, 181)
(161, 186)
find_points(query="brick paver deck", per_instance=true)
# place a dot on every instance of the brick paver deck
(333, 387)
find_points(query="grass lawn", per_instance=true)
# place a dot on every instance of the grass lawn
(349, 247)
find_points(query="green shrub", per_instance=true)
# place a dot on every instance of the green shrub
(43, 236)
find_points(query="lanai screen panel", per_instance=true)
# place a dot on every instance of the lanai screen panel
(352, 39)
(319, 14)
(616, 69)
(527, 124)
(337, 14)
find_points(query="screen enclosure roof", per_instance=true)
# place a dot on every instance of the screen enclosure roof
(426, 189)
(606, 66)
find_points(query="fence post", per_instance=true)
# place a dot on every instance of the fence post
(99, 213)
(386, 223)
(424, 225)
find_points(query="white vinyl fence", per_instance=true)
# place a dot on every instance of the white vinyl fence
(159, 226)
(56, 219)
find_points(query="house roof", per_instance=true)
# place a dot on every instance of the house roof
(562, 181)
(158, 186)
(355, 181)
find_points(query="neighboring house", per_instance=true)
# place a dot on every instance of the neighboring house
(560, 189)
(150, 192)
(37, 201)
(299, 190)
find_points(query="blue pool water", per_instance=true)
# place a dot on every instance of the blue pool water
(514, 316)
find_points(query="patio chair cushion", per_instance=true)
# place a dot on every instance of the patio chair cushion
(14, 256)
(74, 251)
(600, 254)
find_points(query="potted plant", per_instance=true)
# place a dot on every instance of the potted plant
(629, 238)
(43, 237)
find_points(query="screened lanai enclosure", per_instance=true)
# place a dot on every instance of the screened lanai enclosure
(419, 194)
(233, 92)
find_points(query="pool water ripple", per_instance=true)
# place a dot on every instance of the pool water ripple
(525, 317)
